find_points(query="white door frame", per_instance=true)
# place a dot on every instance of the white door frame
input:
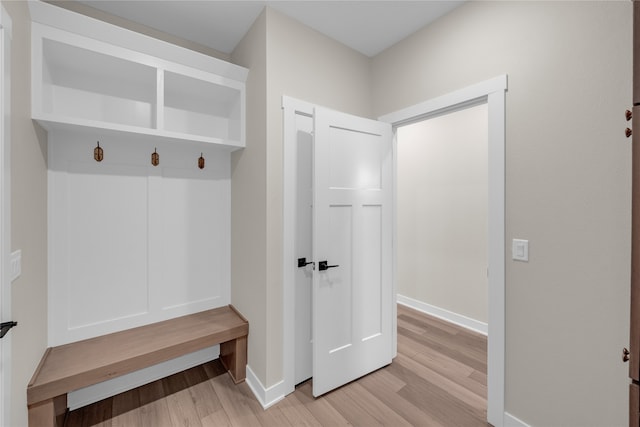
(291, 107)
(5, 211)
(493, 92)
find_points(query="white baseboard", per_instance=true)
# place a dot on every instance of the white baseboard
(266, 396)
(511, 421)
(88, 395)
(449, 316)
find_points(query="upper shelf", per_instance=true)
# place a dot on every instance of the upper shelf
(82, 82)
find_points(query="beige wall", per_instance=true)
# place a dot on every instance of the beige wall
(249, 199)
(568, 187)
(29, 219)
(442, 212)
(290, 59)
(306, 65)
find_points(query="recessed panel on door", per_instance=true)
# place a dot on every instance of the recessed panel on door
(336, 284)
(369, 295)
(354, 159)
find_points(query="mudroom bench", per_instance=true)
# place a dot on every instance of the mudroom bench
(80, 364)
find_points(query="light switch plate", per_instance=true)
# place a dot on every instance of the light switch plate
(520, 250)
(15, 265)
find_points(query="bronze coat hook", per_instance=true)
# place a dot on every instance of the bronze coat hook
(155, 158)
(98, 153)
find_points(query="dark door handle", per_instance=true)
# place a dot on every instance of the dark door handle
(322, 266)
(5, 326)
(302, 262)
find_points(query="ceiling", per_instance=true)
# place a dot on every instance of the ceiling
(366, 26)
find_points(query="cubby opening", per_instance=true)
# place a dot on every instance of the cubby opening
(83, 84)
(198, 107)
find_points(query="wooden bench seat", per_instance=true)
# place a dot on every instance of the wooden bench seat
(80, 364)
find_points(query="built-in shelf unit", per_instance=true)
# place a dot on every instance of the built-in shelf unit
(132, 241)
(83, 82)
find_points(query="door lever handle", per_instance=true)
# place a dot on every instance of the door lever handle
(5, 326)
(322, 266)
(302, 262)
(625, 355)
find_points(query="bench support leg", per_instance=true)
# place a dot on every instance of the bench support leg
(233, 355)
(48, 413)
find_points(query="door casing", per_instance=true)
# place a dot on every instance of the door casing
(303, 361)
(493, 93)
(291, 108)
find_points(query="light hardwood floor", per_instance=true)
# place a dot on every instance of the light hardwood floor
(438, 379)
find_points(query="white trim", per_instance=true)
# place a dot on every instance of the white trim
(496, 348)
(448, 102)
(441, 313)
(394, 244)
(88, 395)
(511, 421)
(291, 107)
(266, 396)
(493, 91)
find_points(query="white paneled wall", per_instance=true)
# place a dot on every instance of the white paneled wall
(130, 243)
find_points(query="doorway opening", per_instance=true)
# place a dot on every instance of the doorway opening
(492, 92)
(442, 233)
(442, 215)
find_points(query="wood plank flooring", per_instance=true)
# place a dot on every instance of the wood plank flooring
(439, 378)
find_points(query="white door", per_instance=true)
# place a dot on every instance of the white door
(352, 248)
